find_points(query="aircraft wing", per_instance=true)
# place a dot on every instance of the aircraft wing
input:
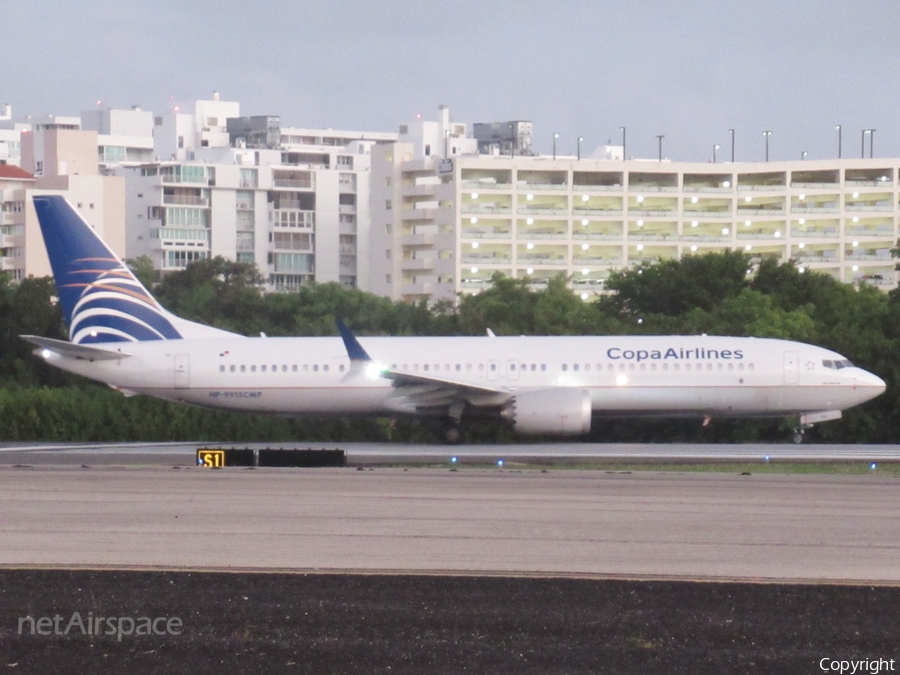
(74, 351)
(414, 391)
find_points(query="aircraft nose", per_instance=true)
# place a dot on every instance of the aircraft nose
(871, 382)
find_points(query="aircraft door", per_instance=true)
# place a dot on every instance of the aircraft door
(182, 371)
(791, 369)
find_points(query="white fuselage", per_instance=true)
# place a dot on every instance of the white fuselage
(625, 375)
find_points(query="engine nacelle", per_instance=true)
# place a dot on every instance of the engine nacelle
(559, 411)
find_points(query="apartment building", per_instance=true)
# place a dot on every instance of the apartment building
(293, 201)
(443, 226)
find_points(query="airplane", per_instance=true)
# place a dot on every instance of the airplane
(120, 335)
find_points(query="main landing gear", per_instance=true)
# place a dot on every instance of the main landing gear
(451, 431)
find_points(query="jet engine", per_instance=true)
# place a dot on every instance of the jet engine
(559, 411)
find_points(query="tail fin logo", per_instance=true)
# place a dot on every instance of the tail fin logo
(113, 306)
(101, 299)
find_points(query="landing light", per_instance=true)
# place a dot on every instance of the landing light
(374, 370)
(473, 220)
(584, 296)
(621, 380)
(529, 221)
(584, 221)
(46, 353)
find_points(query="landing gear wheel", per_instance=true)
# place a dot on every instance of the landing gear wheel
(798, 437)
(451, 433)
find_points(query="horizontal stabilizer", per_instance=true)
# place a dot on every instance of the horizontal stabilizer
(75, 351)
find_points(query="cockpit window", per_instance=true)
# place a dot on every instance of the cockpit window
(837, 365)
(828, 363)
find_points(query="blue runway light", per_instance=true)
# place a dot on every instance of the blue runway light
(873, 465)
(499, 462)
(766, 458)
(454, 460)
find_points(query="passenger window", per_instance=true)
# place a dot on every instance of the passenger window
(730, 366)
(425, 367)
(575, 366)
(750, 367)
(316, 368)
(587, 366)
(493, 367)
(325, 368)
(221, 369)
(294, 368)
(468, 366)
(416, 367)
(533, 367)
(231, 368)
(565, 367)
(480, 367)
(274, 369)
(652, 366)
(305, 367)
(252, 369)
(687, 366)
(243, 369)
(643, 366)
(740, 366)
(676, 366)
(341, 367)
(262, 368)
(543, 366)
(512, 366)
(709, 366)
(446, 366)
(630, 366)
(720, 366)
(458, 367)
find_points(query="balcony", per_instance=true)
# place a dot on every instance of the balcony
(186, 200)
(418, 288)
(417, 264)
(291, 183)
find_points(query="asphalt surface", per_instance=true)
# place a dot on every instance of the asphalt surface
(485, 521)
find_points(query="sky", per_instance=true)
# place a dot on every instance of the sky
(689, 70)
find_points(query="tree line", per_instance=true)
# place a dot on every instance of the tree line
(711, 293)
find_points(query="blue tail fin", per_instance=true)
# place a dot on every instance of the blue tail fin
(102, 301)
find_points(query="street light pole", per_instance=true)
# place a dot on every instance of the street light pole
(838, 127)
(623, 143)
(715, 147)
(580, 138)
(767, 134)
(871, 141)
(731, 131)
(555, 136)
(862, 144)
(803, 154)
(659, 138)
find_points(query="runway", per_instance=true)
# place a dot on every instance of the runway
(183, 454)
(595, 523)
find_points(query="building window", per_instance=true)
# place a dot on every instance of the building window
(387, 204)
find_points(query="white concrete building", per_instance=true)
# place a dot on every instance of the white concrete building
(444, 226)
(299, 210)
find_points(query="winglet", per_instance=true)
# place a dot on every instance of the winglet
(354, 350)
